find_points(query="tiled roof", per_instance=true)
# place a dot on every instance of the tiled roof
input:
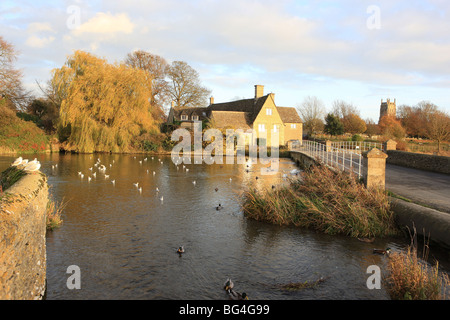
(231, 119)
(289, 115)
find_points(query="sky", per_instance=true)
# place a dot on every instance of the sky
(360, 52)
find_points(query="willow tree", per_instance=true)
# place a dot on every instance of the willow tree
(105, 105)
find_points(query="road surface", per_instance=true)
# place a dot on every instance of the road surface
(423, 187)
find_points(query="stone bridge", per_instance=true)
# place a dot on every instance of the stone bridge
(421, 185)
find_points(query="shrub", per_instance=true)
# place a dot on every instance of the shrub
(357, 137)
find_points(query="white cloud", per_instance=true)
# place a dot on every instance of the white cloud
(106, 24)
(39, 42)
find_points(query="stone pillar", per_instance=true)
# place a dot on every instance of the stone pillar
(328, 146)
(390, 145)
(374, 172)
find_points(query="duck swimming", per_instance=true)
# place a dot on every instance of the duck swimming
(219, 207)
(228, 285)
(180, 250)
(236, 295)
(386, 251)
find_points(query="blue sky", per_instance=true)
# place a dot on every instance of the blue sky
(356, 51)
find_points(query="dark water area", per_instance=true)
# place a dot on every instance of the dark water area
(124, 240)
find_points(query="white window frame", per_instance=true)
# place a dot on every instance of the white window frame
(276, 128)
(261, 127)
(195, 118)
(184, 117)
(268, 111)
(293, 126)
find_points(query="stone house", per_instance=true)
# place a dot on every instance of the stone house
(259, 116)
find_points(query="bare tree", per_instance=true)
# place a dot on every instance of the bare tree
(12, 91)
(185, 88)
(157, 68)
(312, 111)
(343, 109)
(438, 127)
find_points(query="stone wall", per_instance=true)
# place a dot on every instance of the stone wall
(419, 161)
(427, 222)
(22, 231)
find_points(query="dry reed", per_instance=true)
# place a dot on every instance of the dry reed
(324, 200)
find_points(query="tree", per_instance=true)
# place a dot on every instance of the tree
(46, 112)
(353, 124)
(438, 128)
(12, 92)
(185, 88)
(105, 105)
(333, 125)
(372, 128)
(390, 127)
(342, 109)
(312, 111)
(156, 67)
(411, 119)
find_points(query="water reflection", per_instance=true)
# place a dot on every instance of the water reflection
(125, 241)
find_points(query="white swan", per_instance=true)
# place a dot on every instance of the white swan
(17, 162)
(32, 167)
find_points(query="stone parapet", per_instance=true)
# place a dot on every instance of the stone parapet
(22, 249)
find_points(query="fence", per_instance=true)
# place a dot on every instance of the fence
(339, 158)
(358, 146)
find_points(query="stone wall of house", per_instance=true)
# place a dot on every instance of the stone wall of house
(419, 161)
(293, 134)
(269, 121)
(22, 247)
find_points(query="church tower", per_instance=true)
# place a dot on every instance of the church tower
(387, 108)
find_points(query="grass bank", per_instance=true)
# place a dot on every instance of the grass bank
(324, 200)
(17, 135)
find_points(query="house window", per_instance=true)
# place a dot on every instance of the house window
(261, 127)
(268, 111)
(184, 117)
(195, 118)
(276, 128)
(293, 126)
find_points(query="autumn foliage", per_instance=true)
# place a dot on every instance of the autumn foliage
(104, 105)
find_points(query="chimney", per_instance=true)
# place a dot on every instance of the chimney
(211, 100)
(259, 91)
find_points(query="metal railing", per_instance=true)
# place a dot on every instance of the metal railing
(357, 146)
(339, 158)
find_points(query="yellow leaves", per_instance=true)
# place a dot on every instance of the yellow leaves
(105, 104)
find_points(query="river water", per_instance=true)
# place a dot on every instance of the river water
(124, 241)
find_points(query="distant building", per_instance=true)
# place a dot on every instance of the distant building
(258, 114)
(387, 108)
